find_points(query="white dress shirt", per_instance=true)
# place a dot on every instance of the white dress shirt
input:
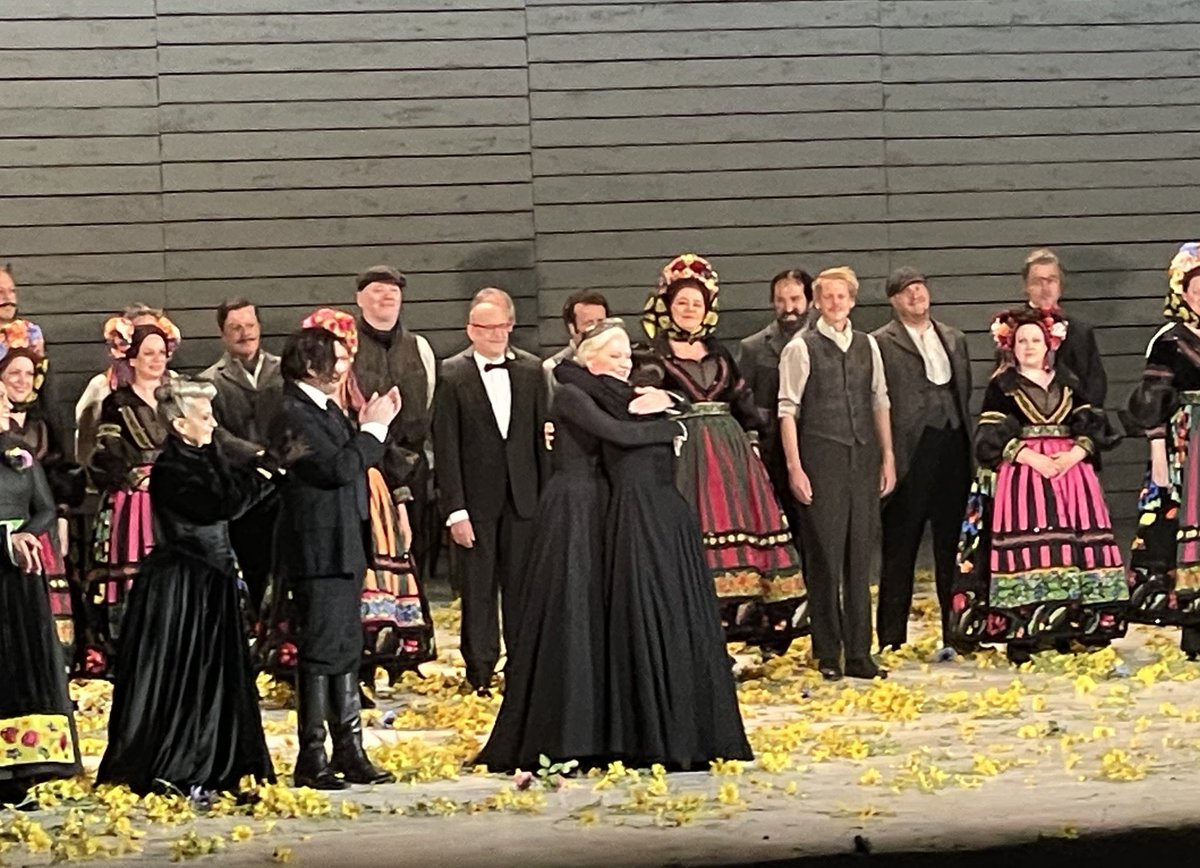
(376, 429)
(929, 345)
(498, 386)
(795, 367)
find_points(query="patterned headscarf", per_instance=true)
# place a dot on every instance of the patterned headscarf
(20, 337)
(1184, 267)
(687, 269)
(341, 325)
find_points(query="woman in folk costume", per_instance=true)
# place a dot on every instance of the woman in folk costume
(397, 625)
(747, 542)
(1038, 565)
(23, 368)
(129, 439)
(37, 728)
(1165, 560)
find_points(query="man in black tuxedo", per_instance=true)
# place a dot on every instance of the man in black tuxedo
(320, 550)
(488, 413)
(1079, 353)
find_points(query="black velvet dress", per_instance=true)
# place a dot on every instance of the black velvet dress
(185, 708)
(37, 728)
(670, 696)
(555, 695)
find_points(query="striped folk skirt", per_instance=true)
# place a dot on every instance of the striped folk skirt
(1037, 557)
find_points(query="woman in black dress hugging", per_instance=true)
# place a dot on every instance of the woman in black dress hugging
(185, 708)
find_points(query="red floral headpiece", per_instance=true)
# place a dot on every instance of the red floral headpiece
(338, 322)
(689, 268)
(118, 334)
(1050, 320)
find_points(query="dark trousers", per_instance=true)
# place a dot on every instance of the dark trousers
(933, 491)
(329, 635)
(252, 536)
(839, 530)
(493, 568)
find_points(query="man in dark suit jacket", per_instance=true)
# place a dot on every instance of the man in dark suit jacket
(489, 452)
(928, 372)
(248, 386)
(791, 295)
(1079, 353)
(321, 552)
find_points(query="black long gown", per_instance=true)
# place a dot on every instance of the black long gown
(37, 727)
(671, 697)
(185, 707)
(554, 696)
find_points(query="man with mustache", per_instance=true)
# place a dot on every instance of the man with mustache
(791, 295)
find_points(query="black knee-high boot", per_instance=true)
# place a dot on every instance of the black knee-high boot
(345, 726)
(313, 710)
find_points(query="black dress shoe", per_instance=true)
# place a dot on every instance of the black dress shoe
(829, 671)
(485, 692)
(349, 758)
(865, 667)
(321, 779)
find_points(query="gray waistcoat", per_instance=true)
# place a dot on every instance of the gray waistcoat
(837, 403)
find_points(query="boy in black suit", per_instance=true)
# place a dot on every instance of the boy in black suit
(320, 550)
(488, 413)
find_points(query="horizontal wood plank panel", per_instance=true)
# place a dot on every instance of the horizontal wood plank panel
(341, 56)
(359, 114)
(330, 26)
(203, 147)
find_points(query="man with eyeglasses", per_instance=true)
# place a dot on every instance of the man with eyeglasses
(488, 416)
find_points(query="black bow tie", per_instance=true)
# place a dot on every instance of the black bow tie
(491, 366)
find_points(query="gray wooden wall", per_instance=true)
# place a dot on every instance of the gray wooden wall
(177, 153)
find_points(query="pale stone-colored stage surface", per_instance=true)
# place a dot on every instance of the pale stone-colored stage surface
(954, 755)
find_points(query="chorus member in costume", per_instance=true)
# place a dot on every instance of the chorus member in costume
(582, 310)
(397, 624)
(28, 422)
(1038, 565)
(248, 385)
(129, 440)
(391, 354)
(1165, 561)
(928, 372)
(836, 430)
(320, 551)
(37, 728)
(1079, 354)
(748, 545)
(791, 296)
(185, 707)
(670, 694)
(555, 692)
(489, 412)
(118, 373)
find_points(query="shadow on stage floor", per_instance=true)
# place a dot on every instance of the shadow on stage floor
(1147, 847)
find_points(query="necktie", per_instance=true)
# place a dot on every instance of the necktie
(491, 366)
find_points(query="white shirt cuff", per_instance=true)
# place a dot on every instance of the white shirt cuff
(457, 516)
(376, 429)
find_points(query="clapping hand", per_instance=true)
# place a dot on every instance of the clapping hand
(381, 409)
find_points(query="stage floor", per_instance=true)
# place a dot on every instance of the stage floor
(950, 756)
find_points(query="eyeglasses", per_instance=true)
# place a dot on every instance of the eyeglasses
(504, 326)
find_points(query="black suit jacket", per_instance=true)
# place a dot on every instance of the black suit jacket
(1080, 354)
(759, 366)
(323, 500)
(477, 469)
(910, 391)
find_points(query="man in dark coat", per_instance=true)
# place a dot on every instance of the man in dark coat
(791, 295)
(248, 385)
(321, 552)
(928, 372)
(389, 354)
(488, 417)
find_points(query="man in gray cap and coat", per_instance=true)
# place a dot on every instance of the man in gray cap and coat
(928, 373)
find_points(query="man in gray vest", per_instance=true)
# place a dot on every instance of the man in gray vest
(928, 372)
(391, 355)
(836, 430)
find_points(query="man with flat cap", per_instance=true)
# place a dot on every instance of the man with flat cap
(928, 373)
(391, 355)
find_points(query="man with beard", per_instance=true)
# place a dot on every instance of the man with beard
(928, 371)
(389, 355)
(582, 310)
(791, 295)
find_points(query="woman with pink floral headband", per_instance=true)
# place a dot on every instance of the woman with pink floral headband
(1038, 564)
(129, 439)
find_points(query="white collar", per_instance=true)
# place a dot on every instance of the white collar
(481, 359)
(316, 395)
(830, 332)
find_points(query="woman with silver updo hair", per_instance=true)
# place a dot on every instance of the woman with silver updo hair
(185, 707)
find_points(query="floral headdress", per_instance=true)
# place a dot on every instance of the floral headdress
(690, 270)
(341, 325)
(1184, 267)
(26, 337)
(1006, 323)
(118, 334)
